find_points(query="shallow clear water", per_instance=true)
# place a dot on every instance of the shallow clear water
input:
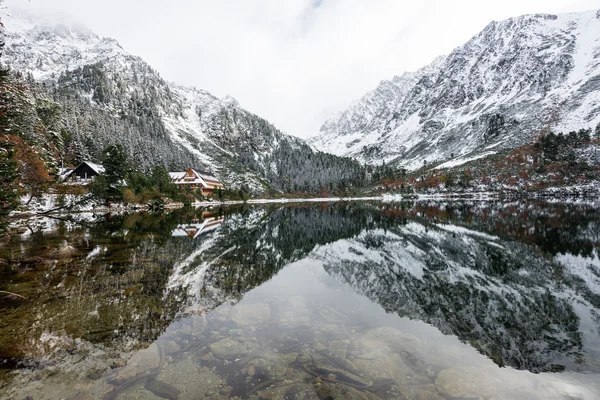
(325, 301)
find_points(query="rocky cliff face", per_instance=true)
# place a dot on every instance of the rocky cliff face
(106, 95)
(499, 90)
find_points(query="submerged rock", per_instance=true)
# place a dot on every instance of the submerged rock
(319, 346)
(382, 366)
(172, 347)
(148, 358)
(193, 382)
(227, 349)
(427, 395)
(162, 389)
(124, 374)
(319, 366)
(338, 349)
(144, 362)
(340, 392)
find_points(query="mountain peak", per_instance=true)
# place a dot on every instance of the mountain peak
(106, 95)
(230, 100)
(19, 20)
(47, 45)
(495, 92)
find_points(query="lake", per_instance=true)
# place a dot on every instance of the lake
(364, 300)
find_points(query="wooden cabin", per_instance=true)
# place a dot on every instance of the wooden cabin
(84, 172)
(205, 182)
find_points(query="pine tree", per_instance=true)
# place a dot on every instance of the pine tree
(162, 181)
(116, 169)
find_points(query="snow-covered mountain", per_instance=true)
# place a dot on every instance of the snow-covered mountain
(105, 95)
(497, 91)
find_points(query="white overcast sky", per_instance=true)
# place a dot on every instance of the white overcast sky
(293, 62)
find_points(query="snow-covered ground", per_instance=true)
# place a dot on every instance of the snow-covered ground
(461, 161)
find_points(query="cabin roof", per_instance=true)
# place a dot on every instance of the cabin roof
(201, 177)
(97, 168)
(176, 175)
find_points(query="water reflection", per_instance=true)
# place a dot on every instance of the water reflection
(331, 301)
(197, 227)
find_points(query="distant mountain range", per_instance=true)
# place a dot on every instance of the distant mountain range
(499, 90)
(510, 82)
(101, 94)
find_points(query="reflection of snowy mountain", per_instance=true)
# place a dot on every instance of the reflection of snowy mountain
(499, 293)
(503, 298)
(252, 246)
(519, 282)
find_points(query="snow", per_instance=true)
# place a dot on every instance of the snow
(195, 230)
(97, 250)
(588, 268)
(465, 231)
(455, 163)
(442, 109)
(176, 175)
(96, 167)
(54, 43)
(388, 256)
(311, 200)
(197, 121)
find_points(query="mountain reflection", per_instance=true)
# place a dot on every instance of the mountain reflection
(519, 282)
(494, 275)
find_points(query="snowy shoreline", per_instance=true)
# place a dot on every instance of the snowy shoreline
(551, 194)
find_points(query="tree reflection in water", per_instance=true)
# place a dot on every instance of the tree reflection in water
(519, 282)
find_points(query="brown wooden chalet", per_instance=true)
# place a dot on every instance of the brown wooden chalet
(197, 180)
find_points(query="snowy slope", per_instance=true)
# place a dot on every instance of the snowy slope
(108, 95)
(497, 91)
(38, 45)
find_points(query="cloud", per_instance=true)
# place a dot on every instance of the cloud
(294, 61)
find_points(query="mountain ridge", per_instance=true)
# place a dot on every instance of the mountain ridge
(497, 91)
(107, 95)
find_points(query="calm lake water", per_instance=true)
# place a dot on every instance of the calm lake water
(416, 301)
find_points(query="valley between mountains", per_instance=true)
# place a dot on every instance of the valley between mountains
(515, 110)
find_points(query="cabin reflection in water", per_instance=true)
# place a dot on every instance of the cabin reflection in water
(197, 227)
